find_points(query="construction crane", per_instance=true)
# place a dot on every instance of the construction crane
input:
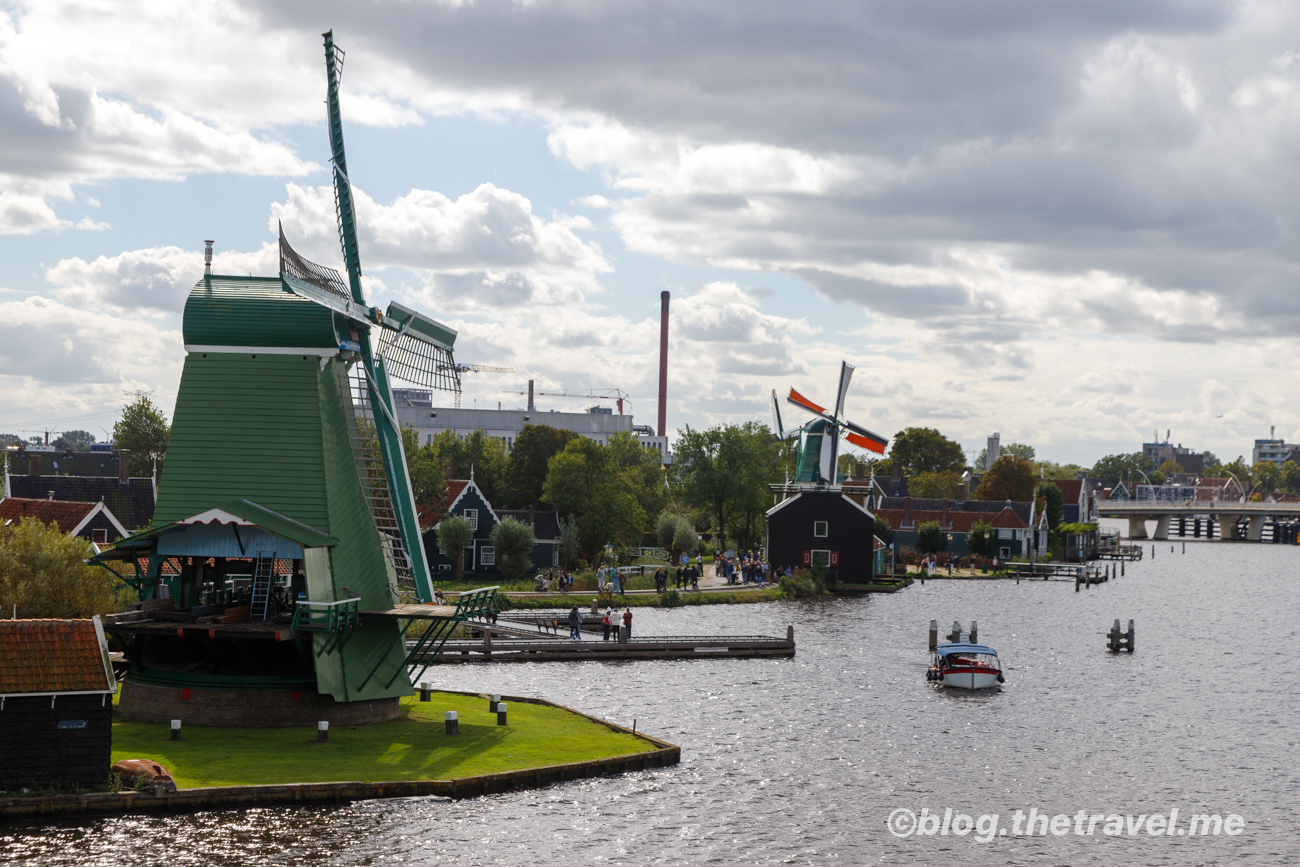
(615, 394)
(479, 368)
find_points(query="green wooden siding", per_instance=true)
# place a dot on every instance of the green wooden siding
(255, 311)
(246, 428)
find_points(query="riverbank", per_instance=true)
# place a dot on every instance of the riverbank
(412, 755)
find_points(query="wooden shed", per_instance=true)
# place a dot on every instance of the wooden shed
(56, 704)
(823, 528)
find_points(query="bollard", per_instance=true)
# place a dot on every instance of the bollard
(1184, 547)
(176, 729)
(1130, 637)
(1112, 638)
(934, 633)
(974, 632)
(622, 635)
(322, 732)
(955, 635)
(789, 634)
(493, 702)
(595, 606)
(426, 692)
(452, 722)
(501, 714)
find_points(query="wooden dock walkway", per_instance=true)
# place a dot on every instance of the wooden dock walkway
(541, 649)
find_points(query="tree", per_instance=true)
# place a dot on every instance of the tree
(1020, 450)
(642, 469)
(674, 533)
(981, 538)
(883, 531)
(724, 472)
(930, 538)
(1053, 502)
(1211, 463)
(44, 573)
(1170, 467)
(934, 486)
(1289, 477)
(513, 542)
(525, 475)
(1267, 475)
(454, 536)
(1009, 479)
(76, 440)
(1239, 471)
(584, 482)
(570, 543)
(925, 450)
(1053, 470)
(142, 430)
(1121, 468)
(428, 483)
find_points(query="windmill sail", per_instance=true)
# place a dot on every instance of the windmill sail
(820, 453)
(371, 399)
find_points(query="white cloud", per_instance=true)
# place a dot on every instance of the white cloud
(483, 250)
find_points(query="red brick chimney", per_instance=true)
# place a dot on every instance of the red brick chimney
(33, 464)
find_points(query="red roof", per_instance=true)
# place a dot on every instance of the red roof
(961, 521)
(1069, 487)
(45, 656)
(61, 513)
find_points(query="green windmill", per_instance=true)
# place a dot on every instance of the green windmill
(284, 565)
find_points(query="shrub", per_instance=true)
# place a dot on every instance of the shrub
(671, 598)
(44, 573)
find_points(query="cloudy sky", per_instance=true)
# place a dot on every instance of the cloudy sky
(1070, 223)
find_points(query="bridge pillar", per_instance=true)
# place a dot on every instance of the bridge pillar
(1227, 527)
(1255, 529)
(1137, 526)
(1162, 528)
(1196, 528)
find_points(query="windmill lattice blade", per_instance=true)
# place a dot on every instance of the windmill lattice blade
(846, 374)
(418, 361)
(871, 445)
(776, 415)
(799, 400)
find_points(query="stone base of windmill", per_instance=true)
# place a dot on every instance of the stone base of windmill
(247, 708)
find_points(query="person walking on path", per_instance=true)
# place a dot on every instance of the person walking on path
(627, 622)
(575, 624)
(608, 622)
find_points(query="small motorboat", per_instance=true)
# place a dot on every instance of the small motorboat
(965, 666)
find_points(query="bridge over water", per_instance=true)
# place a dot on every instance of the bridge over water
(1230, 515)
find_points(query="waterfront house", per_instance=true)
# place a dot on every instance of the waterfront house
(469, 501)
(824, 528)
(56, 707)
(94, 522)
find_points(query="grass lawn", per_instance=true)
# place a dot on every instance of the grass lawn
(413, 747)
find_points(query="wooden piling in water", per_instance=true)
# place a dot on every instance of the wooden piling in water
(934, 634)
(955, 635)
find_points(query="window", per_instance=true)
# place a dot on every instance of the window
(99, 537)
(820, 529)
(821, 558)
(487, 555)
(555, 555)
(471, 515)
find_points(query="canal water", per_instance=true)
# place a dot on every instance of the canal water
(802, 761)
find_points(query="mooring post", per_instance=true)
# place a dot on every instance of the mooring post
(322, 731)
(1130, 636)
(974, 632)
(1112, 638)
(1184, 547)
(789, 633)
(452, 722)
(595, 606)
(176, 729)
(426, 692)
(487, 640)
(1121, 567)
(501, 714)
(934, 634)
(493, 702)
(1153, 552)
(955, 635)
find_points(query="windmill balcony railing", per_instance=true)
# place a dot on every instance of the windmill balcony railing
(327, 616)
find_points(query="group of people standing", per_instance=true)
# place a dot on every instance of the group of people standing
(683, 576)
(562, 582)
(608, 622)
(747, 568)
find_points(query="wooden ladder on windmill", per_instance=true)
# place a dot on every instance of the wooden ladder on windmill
(263, 575)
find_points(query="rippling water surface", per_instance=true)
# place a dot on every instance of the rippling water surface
(801, 761)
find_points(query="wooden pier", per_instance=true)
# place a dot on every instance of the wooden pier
(516, 648)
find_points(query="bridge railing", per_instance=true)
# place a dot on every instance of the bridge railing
(1228, 505)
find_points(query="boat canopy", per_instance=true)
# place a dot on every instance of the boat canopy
(949, 649)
